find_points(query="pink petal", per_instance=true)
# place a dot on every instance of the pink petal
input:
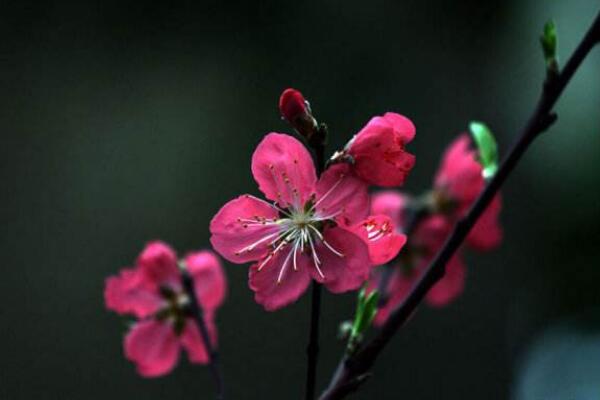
(345, 273)
(232, 233)
(292, 283)
(209, 279)
(403, 127)
(380, 235)
(192, 341)
(390, 203)
(460, 173)
(450, 286)
(158, 263)
(487, 232)
(398, 289)
(284, 170)
(378, 151)
(431, 233)
(127, 293)
(342, 194)
(153, 346)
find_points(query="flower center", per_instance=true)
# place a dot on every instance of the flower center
(176, 308)
(300, 230)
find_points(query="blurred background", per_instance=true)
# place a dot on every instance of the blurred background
(123, 122)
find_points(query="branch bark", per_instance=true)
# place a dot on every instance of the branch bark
(198, 316)
(353, 370)
(312, 350)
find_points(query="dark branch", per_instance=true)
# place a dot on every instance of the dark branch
(352, 370)
(198, 315)
(312, 350)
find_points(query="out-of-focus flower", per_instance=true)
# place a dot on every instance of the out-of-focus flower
(152, 291)
(378, 153)
(308, 232)
(424, 243)
(458, 182)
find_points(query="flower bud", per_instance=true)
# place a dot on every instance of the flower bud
(296, 111)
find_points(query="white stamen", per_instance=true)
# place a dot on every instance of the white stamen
(328, 193)
(285, 263)
(332, 249)
(269, 204)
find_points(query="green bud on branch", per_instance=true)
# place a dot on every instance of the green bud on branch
(486, 147)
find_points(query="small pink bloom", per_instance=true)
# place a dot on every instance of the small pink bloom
(378, 150)
(428, 237)
(302, 235)
(404, 279)
(380, 234)
(152, 291)
(459, 182)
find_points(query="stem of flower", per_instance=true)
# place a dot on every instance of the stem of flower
(312, 350)
(198, 315)
(353, 371)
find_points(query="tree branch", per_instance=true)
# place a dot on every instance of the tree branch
(353, 370)
(312, 350)
(198, 316)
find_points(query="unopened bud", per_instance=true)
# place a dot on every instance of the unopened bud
(296, 111)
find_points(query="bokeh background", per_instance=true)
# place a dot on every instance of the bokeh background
(123, 122)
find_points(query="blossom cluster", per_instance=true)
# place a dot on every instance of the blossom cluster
(457, 184)
(311, 227)
(313, 223)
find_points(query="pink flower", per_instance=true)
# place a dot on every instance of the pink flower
(425, 241)
(152, 292)
(308, 232)
(458, 183)
(378, 150)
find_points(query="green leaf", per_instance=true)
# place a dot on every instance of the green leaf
(366, 309)
(486, 146)
(549, 42)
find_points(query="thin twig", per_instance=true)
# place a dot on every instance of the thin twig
(352, 371)
(198, 315)
(312, 350)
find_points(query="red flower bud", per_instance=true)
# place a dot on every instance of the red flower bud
(292, 105)
(294, 109)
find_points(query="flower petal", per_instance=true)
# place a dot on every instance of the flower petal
(292, 283)
(158, 264)
(403, 127)
(192, 341)
(378, 150)
(341, 194)
(460, 173)
(398, 288)
(390, 203)
(152, 345)
(233, 231)
(450, 286)
(284, 170)
(209, 280)
(380, 235)
(346, 272)
(487, 232)
(127, 293)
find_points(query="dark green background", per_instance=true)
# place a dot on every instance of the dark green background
(123, 122)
